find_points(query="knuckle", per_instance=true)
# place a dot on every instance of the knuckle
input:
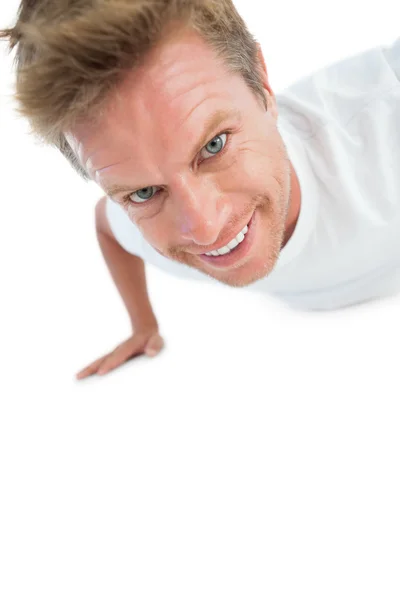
(105, 364)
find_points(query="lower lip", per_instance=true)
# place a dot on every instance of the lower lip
(237, 254)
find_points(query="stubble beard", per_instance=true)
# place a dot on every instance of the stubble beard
(271, 227)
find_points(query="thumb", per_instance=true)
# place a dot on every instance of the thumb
(154, 345)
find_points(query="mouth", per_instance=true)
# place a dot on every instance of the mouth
(238, 253)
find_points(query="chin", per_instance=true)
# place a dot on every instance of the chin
(246, 275)
(242, 281)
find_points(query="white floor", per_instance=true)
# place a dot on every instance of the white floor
(256, 457)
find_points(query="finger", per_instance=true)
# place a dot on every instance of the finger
(154, 345)
(90, 369)
(119, 356)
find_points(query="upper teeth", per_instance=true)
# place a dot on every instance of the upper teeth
(235, 242)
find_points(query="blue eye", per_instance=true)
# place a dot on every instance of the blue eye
(144, 194)
(216, 145)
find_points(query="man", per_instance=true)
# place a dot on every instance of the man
(206, 173)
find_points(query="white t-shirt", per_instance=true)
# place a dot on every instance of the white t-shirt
(341, 128)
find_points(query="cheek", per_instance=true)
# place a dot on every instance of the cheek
(155, 233)
(253, 172)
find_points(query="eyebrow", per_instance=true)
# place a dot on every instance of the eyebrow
(211, 124)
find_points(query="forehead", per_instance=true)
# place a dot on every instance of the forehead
(172, 93)
(183, 56)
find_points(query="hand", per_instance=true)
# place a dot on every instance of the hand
(147, 342)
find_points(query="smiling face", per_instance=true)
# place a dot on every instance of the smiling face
(193, 157)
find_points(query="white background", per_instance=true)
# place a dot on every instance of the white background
(257, 457)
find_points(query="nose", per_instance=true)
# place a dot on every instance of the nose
(200, 209)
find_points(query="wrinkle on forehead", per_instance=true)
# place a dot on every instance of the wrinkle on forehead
(184, 54)
(158, 98)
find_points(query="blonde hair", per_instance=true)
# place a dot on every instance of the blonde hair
(70, 54)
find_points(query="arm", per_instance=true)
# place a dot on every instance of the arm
(128, 274)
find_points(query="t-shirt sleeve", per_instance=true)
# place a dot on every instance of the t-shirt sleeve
(392, 54)
(125, 232)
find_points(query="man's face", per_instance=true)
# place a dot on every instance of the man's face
(187, 194)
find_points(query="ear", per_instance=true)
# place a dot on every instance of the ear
(268, 90)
